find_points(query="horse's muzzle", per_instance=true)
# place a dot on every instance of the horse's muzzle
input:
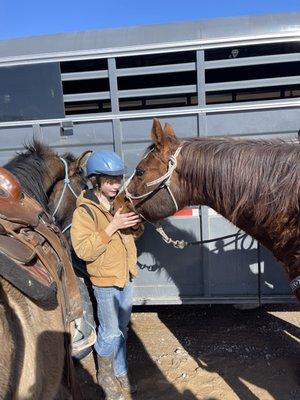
(122, 201)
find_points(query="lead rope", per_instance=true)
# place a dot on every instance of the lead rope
(182, 244)
(178, 244)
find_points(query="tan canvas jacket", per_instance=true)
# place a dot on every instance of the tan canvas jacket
(110, 260)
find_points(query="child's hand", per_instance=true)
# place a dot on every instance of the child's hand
(122, 221)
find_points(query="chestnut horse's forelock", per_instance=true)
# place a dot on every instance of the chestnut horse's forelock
(235, 175)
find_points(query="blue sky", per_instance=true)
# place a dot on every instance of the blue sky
(36, 17)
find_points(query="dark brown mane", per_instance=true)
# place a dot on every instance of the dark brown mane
(30, 168)
(262, 176)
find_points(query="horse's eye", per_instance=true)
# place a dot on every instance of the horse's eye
(139, 172)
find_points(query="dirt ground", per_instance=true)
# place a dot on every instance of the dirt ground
(210, 353)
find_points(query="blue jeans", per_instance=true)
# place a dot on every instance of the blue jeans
(113, 309)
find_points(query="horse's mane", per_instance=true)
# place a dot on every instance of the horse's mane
(262, 176)
(30, 168)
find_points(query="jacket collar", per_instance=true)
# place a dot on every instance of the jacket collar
(90, 195)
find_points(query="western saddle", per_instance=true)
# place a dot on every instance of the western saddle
(34, 255)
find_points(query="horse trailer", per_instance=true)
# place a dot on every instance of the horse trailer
(101, 89)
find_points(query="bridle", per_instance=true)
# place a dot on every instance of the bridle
(66, 186)
(162, 182)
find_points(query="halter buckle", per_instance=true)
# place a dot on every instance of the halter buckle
(295, 283)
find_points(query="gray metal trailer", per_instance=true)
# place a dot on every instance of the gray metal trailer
(101, 89)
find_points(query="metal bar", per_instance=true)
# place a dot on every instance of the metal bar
(282, 299)
(200, 78)
(117, 134)
(205, 234)
(254, 83)
(259, 60)
(86, 96)
(202, 123)
(157, 69)
(158, 91)
(113, 84)
(151, 49)
(222, 108)
(80, 76)
(253, 105)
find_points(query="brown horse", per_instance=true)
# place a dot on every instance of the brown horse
(255, 184)
(34, 349)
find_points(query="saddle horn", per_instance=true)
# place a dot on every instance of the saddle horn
(10, 188)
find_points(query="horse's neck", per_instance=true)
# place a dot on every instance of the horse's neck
(241, 181)
(208, 184)
(55, 172)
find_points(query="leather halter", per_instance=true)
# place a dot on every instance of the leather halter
(162, 182)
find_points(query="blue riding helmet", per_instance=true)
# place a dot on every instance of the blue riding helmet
(105, 162)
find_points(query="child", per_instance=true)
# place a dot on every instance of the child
(110, 256)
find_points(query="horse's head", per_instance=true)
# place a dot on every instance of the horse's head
(62, 199)
(153, 190)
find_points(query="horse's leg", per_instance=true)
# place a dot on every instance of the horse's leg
(69, 388)
(12, 346)
(33, 357)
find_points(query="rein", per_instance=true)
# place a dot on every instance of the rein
(66, 185)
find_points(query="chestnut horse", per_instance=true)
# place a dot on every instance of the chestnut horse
(33, 352)
(255, 184)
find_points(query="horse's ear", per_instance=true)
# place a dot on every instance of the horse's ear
(157, 133)
(81, 161)
(168, 129)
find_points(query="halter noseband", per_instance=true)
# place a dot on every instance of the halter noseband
(162, 182)
(66, 185)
